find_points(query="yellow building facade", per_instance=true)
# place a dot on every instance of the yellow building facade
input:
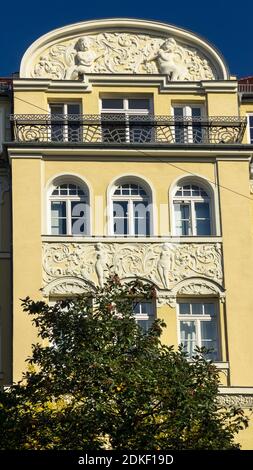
(131, 148)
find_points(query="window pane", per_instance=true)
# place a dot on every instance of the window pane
(209, 309)
(79, 218)
(58, 209)
(178, 112)
(108, 103)
(58, 226)
(141, 218)
(58, 218)
(148, 308)
(73, 108)
(251, 135)
(203, 227)
(144, 314)
(202, 212)
(182, 219)
(209, 338)
(120, 217)
(144, 324)
(197, 308)
(56, 109)
(138, 103)
(184, 309)
(196, 112)
(63, 189)
(188, 336)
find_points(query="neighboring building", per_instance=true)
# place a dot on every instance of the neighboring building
(130, 149)
(5, 236)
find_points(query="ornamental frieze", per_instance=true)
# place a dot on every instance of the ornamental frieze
(164, 264)
(241, 401)
(123, 53)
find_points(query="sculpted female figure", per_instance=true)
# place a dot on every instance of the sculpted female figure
(164, 264)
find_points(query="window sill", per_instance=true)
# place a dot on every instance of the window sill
(222, 365)
(119, 238)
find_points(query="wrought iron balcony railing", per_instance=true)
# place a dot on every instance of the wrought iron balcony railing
(245, 88)
(122, 129)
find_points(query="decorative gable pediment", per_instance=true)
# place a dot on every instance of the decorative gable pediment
(122, 46)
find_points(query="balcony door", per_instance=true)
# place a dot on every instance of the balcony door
(126, 120)
(65, 122)
(188, 128)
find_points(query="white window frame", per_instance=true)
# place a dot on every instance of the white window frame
(142, 315)
(198, 318)
(68, 199)
(187, 113)
(65, 105)
(249, 115)
(125, 110)
(130, 199)
(191, 201)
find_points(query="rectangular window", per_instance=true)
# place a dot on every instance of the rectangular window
(198, 326)
(126, 120)
(65, 122)
(144, 313)
(188, 127)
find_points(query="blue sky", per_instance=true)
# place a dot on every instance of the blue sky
(227, 24)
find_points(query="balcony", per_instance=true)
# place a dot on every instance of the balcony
(119, 129)
(245, 88)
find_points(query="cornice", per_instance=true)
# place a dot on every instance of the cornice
(86, 151)
(161, 81)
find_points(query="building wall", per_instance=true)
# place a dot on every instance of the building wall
(224, 169)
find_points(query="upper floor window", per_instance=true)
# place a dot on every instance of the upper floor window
(65, 122)
(126, 120)
(131, 210)
(69, 210)
(188, 127)
(144, 314)
(191, 206)
(250, 127)
(198, 326)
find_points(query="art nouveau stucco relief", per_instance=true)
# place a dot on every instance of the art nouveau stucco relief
(163, 264)
(122, 46)
(123, 53)
(242, 401)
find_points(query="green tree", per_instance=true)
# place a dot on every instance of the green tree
(96, 380)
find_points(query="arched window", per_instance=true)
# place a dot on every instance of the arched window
(131, 206)
(69, 209)
(192, 211)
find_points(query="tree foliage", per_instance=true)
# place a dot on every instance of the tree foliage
(96, 380)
